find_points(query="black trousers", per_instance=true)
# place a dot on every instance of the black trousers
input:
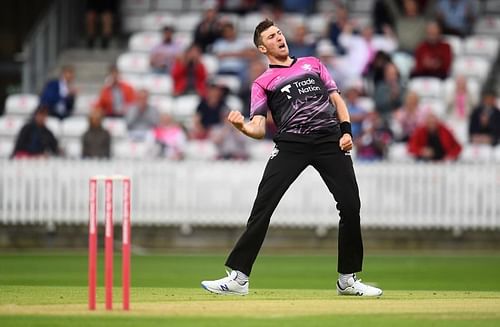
(336, 170)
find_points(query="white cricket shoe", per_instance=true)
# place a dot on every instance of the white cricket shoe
(227, 285)
(355, 287)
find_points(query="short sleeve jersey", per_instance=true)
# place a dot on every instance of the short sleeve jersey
(297, 96)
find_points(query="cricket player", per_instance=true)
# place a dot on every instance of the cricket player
(313, 129)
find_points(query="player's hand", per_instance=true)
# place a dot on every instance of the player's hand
(345, 142)
(237, 119)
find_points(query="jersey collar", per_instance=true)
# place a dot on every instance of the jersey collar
(283, 66)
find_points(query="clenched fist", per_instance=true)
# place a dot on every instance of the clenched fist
(237, 119)
(345, 142)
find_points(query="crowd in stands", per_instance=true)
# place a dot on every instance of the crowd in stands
(367, 58)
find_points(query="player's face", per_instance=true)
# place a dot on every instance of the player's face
(274, 43)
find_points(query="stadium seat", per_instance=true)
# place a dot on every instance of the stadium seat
(460, 130)
(72, 148)
(11, 125)
(366, 103)
(163, 103)
(117, 127)
(144, 41)
(474, 153)
(211, 63)
(404, 62)
(472, 85)
(427, 87)
(155, 21)
(6, 147)
(201, 150)
(496, 154)
(481, 45)
(248, 22)
(435, 105)
(233, 83)
(74, 127)
(456, 44)
(84, 104)
(234, 103)
(488, 25)
(127, 149)
(317, 23)
(54, 125)
(158, 84)
(184, 107)
(135, 80)
(361, 6)
(21, 104)
(188, 21)
(398, 152)
(133, 62)
(471, 67)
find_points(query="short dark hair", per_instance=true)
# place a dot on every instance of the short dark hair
(261, 27)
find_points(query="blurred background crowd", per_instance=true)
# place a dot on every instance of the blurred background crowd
(155, 79)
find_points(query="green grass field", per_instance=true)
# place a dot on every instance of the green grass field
(49, 289)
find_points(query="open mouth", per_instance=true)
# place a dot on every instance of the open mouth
(282, 46)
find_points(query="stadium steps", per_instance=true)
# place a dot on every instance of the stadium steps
(91, 66)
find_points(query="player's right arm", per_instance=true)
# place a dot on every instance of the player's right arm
(255, 128)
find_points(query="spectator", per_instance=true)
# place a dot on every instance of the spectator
(171, 138)
(302, 45)
(299, 6)
(233, 52)
(103, 10)
(410, 27)
(484, 124)
(389, 93)
(96, 141)
(163, 55)
(35, 140)
(209, 29)
(230, 143)
(189, 73)
(356, 113)
(240, 7)
(373, 143)
(433, 141)
(116, 95)
(361, 49)
(336, 26)
(210, 111)
(375, 71)
(141, 117)
(327, 55)
(433, 56)
(255, 69)
(59, 94)
(456, 17)
(460, 101)
(407, 118)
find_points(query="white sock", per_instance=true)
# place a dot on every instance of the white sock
(241, 278)
(343, 278)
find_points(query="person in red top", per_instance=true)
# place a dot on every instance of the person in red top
(433, 56)
(189, 73)
(433, 141)
(116, 95)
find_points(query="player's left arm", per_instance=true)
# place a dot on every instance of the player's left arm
(345, 141)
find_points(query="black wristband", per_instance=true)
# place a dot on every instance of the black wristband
(345, 128)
